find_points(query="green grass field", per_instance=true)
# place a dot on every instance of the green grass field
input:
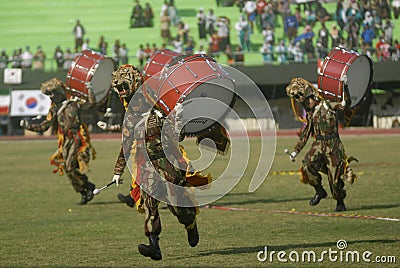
(49, 24)
(41, 225)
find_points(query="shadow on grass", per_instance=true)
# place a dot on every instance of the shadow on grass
(101, 203)
(255, 249)
(257, 201)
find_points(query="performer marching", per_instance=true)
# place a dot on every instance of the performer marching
(74, 148)
(327, 154)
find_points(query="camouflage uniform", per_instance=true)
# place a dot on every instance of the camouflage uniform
(327, 154)
(74, 147)
(158, 168)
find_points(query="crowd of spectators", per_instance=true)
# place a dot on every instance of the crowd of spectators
(309, 33)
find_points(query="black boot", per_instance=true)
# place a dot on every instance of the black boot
(87, 193)
(340, 206)
(193, 235)
(320, 193)
(127, 199)
(153, 250)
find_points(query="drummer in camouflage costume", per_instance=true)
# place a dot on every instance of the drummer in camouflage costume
(327, 154)
(74, 148)
(150, 164)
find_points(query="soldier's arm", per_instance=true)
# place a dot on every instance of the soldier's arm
(44, 125)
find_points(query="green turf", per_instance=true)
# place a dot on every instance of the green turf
(38, 230)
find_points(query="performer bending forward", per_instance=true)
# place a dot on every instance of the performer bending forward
(150, 166)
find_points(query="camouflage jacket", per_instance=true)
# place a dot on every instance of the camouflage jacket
(321, 124)
(66, 115)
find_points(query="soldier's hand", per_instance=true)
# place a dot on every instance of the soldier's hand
(117, 179)
(292, 156)
(23, 123)
(102, 125)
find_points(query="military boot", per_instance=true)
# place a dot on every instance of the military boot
(153, 250)
(83, 198)
(192, 235)
(319, 194)
(340, 206)
(127, 199)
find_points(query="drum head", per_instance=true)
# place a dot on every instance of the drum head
(101, 81)
(359, 77)
(207, 104)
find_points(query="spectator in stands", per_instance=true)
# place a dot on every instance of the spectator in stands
(15, 59)
(284, 9)
(322, 13)
(115, 54)
(123, 54)
(222, 26)
(38, 59)
(267, 50)
(141, 55)
(102, 46)
(3, 59)
(250, 8)
(352, 28)
(382, 50)
(213, 44)
(136, 19)
(261, 7)
(68, 58)
(238, 56)
(367, 35)
(323, 40)
(383, 9)
(148, 15)
(189, 47)
(173, 14)
(335, 35)
(290, 27)
(396, 8)
(183, 31)
(299, 16)
(268, 18)
(281, 51)
(229, 55)
(244, 32)
(148, 50)
(388, 27)
(269, 35)
(26, 58)
(211, 19)
(85, 44)
(201, 24)
(297, 52)
(78, 32)
(165, 27)
(396, 52)
(177, 44)
(311, 17)
(308, 43)
(58, 56)
(340, 14)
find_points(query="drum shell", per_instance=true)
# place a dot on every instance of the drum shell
(341, 63)
(187, 79)
(90, 69)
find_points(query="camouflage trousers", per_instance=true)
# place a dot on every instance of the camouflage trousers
(325, 157)
(154, 188)
(76, 164)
